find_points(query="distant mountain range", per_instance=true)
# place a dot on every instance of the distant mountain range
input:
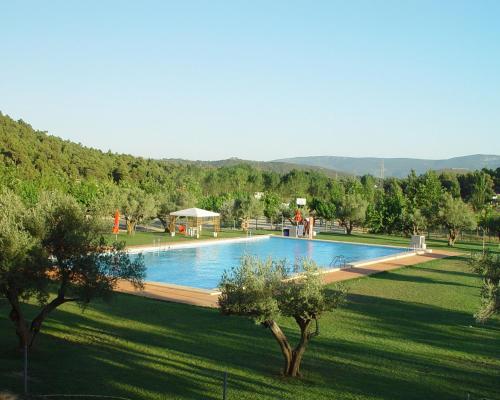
(274, 166)
(395, 167)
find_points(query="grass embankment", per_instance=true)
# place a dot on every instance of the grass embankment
(405, 334)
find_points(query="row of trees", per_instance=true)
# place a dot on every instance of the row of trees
(32, 162)
(406, 206)
(413, 205)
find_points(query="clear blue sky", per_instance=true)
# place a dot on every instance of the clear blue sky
(257, 80)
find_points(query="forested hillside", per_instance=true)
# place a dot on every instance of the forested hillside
(33, 161)
(274, 166)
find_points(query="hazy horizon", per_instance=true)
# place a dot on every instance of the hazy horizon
(257, 81)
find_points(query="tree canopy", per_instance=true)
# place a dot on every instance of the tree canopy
(487, 265)
(56, 245)
(264, 290)
(455, 215)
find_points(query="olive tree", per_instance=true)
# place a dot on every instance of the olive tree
(56, 246)
(264, 291)
(492, 223)
(168, 202)
(351, 211)
(272, 206)
(325, 209)
(487, 265)
(246, 207)
(137, 206)
(455, 216)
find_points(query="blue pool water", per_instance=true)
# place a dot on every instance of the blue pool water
(202, 267)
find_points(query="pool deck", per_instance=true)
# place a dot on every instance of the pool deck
(206, 298)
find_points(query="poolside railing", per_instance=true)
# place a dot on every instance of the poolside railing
(338, 262)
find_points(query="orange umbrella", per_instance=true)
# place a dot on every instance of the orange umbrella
(298, 216)
(116, 226)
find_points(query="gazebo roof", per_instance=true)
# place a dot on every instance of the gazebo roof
(194, 212)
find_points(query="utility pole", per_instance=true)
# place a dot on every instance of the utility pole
(25, 369)
(382, 169)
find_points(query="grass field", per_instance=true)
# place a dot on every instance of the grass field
(394, 240)
(149, 238)
(405, 334)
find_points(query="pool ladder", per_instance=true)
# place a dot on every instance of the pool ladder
(156, 246)
(412, 249)
(338, 262)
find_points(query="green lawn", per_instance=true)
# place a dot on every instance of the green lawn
(406, 334)
(404, 241)
(149, 238)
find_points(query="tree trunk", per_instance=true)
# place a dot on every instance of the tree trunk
(282, 340)
(37, 322)
(22, 331)
(25, 333)
(452, 236)
(17, 318)
(348, 228)
(298, 352)
(164, 222)
(130, 226)
(293, 358)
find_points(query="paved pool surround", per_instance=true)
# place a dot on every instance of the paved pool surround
(201, 266)
(208, 298)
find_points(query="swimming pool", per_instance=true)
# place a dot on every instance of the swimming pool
(201, 266)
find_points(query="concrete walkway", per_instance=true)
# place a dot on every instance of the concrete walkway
(357, 272)
(177, 294)
(206, 298)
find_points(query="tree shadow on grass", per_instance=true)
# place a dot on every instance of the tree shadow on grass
(146, 349)
(184, 360)
(417, 319)
(449, 272)
(435, 352)
(402, 277)
(386, 373)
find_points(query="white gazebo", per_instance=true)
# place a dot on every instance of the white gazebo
(195, 218)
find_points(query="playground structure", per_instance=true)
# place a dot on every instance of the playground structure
(303, 227)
